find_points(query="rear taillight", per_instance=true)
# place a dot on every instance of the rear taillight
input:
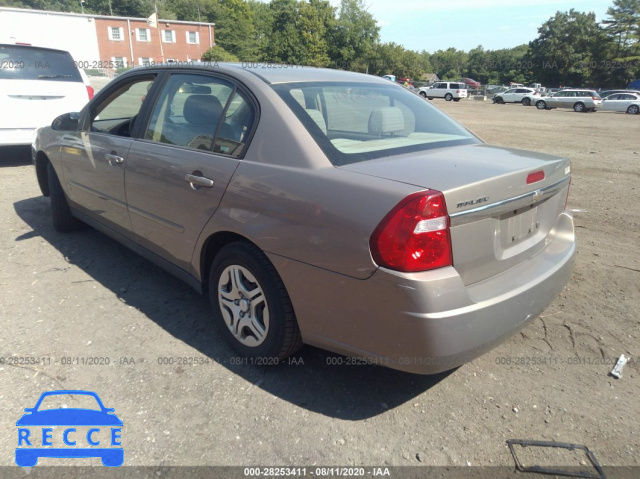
(535, 177)
(457, 91)
(595, 98)
(90, 91)
(414, 236)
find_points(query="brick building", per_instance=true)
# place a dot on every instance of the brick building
(98, 40)
(130, 41)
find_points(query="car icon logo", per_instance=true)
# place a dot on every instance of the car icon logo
(69, 432)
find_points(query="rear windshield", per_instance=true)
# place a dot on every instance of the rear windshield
(29, 63)
(354, 122)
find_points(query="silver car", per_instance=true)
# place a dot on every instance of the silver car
(317, 206)
(576, 99)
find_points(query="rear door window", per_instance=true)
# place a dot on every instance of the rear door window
(203, 113)
(29, 63)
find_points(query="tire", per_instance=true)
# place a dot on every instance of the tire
(579, 107)
(456, 99)
(63, 221)
(251, 306)
(423, 94)
(430, 98)
(541, 105)
(448, 97)
(499, 100)
(633, 110)
(526, 101)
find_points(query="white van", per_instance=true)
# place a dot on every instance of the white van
(36, 85)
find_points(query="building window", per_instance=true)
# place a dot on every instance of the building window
(116, 33)
(119, 62)
(169, 36)
(193, 38)
(145, 61)
(143, 34)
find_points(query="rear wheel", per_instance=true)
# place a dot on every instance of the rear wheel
(456, 99)
(448, 97)
(579, 107)
(541, 104)
(499, 100)
(423, 94)
(526, 101)
(63, 221)
(251, 306)
(633, 109)
(430, 98)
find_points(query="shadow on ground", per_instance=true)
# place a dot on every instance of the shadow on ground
(15, 155)
(311, 380)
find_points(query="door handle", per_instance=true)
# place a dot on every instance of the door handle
(114, 159)
(198, 181)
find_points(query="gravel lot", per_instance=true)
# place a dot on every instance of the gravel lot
(64, 298)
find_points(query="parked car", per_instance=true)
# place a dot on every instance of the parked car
(627, 102)
(578, 100)
(604, 94)
(526, 96)
(495, 89)
(444, 89)
(318, 206)
(470, 82)
(36, 85)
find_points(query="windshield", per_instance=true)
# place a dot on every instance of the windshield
(29, 63)
(354, 122)
(64, 401)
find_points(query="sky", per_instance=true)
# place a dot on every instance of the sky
(464, 24)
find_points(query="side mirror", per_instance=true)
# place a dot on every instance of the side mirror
(66, 122)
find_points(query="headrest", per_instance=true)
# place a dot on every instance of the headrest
(386, 120)
(202, 110)
(316, 115)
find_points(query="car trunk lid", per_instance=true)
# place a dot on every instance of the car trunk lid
(35, 103)
(503, 203)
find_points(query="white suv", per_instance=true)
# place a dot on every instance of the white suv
(517, 95)
(36, 85)
(444, 89)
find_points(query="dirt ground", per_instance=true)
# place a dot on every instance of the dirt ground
(67, 297)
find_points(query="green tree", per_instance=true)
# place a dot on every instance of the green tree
(623, 27)
(449, 64)
(568, 47)
(283, 44)
(263, 26)
(355, 35)
(234, 28)
(218, 54)
(313, 33)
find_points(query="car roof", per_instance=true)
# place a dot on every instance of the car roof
(274, 73)
(32, 47)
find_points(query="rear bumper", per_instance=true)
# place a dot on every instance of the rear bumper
(428, 322)
(17, 136)
(28, 457)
